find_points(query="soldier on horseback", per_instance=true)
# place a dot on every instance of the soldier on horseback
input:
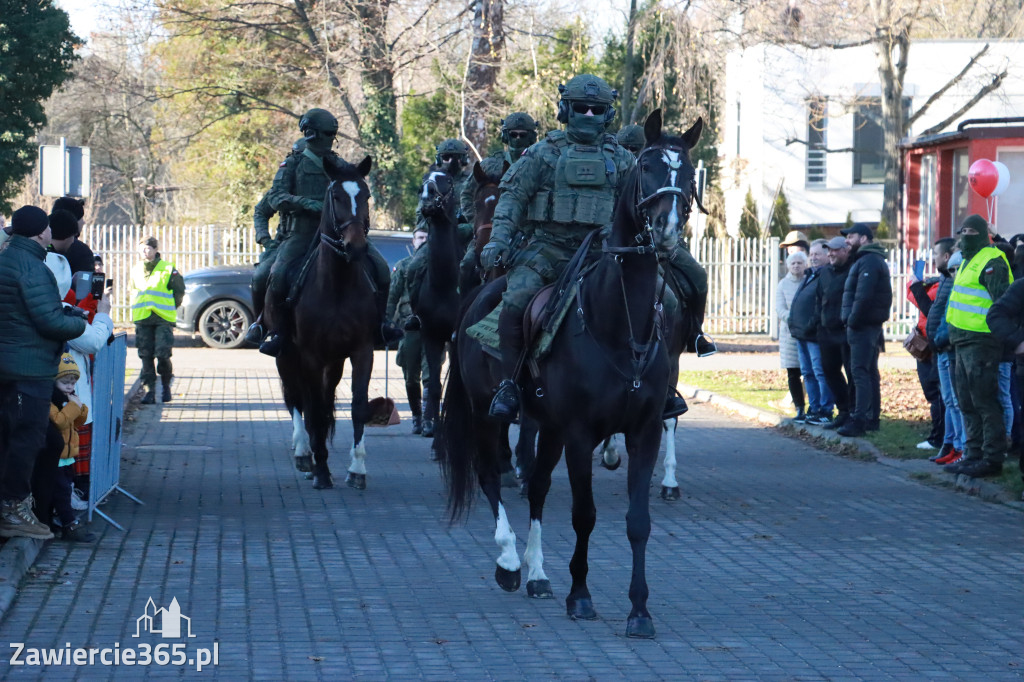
(297, 194)
(632, 138)
(262, 214)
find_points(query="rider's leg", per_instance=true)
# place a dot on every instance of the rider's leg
(674, 403)
(293, 249)
(409, 357)
(523, 283)
(414, 274)
(260, 280)
(382, 280)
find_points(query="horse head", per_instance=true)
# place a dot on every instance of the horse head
(485, 201)
(345, 220)
(666, 181)
(437, 194)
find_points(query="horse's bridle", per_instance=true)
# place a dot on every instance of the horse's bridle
(337, 244)
(441, 198)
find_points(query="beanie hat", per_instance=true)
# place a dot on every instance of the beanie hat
(976, 222)
(29, 221)
(68, 367)
(149, 241)
(75, 207)
(63, 224)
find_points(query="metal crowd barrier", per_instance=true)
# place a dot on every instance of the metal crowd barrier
(108, 412)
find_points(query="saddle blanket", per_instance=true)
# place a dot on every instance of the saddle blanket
(486, 330)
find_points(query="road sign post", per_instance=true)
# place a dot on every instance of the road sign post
(63, 170)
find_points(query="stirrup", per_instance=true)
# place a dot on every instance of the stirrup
(505, 404)
(705, 345)
(272, 345)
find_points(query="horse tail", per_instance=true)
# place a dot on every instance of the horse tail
(455, 442)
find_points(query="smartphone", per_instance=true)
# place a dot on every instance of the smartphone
(98, 279)
(919, 269)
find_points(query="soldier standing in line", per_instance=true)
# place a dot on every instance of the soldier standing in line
(410, 349)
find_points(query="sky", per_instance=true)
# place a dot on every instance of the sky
(85, 15)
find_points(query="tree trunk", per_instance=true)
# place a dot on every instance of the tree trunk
(378, 126)
(482, 70)
(893, 49)
(627, 72)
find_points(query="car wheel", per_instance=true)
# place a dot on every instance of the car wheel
(223, 324)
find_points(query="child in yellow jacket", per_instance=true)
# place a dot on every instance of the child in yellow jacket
(68, 413)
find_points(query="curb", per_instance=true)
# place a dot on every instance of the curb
(975, 487)
(17, 555)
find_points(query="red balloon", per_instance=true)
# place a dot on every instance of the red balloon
(984, 177)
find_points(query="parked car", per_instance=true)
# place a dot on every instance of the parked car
(218, 299)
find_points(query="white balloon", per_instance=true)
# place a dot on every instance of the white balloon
(1004, 178)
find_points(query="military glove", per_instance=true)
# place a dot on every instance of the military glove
(493, 252)
(313, 205)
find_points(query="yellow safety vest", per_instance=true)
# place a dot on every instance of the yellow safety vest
(969, 301)
(151, 293)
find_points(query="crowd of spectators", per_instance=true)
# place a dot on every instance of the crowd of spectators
(50, 329)
(968, 341)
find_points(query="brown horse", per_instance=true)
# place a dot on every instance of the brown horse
(335, 319)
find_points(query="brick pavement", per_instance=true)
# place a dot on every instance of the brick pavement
(779, 563)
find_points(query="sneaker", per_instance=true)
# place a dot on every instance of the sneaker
(77, 503)
(924, 445)
(943, 452)
(801, 416)
(955, 457)
(838, 422)
(18, 521)
(76, 532)
(957, 466)
(819, 419)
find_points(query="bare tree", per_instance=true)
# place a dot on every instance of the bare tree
(482, 68)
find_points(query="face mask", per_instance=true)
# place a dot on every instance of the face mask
(585, 129)
(320, 142)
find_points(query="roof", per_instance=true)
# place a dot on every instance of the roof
(970, 129)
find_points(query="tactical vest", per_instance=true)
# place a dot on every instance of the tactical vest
(151, 293)
(585, 182)
(969, 301)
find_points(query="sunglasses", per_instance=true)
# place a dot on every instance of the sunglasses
(583, 108)
(518, 135)
(446, 158)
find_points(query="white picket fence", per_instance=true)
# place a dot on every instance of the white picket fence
(742, 273)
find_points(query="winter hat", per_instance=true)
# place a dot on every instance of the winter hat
(63, 224)
(68, 368)
(58, 265)
(29, 221)
(75, 207)
(150, 241)
(975, 221)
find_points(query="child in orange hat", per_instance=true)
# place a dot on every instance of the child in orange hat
(68, 413)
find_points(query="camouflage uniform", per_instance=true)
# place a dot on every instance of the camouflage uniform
(410, 349)
(154, 336)
(562, 188)
(632, 138)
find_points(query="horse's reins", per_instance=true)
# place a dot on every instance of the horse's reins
(337, 245)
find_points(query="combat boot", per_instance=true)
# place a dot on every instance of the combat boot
(256, 333)
(505, 404)
(272, 345)
(150, 397)
(414, 392)
(166, 396)
(18, 521)
(705, 345)
(675, 406)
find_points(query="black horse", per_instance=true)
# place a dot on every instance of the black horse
(437, 304)
(606, 372)
(335, 318)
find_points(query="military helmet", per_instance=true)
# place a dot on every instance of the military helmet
(299, 146)
(451, 147)
(632, 138)
(519, 121)
(319, 120)
(588, 89)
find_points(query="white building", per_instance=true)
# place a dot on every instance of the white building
(787, 106)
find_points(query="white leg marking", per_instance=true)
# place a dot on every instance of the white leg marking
(358, 453)
(352, 188)
(506, 540)
(610, 453)
(670, 454)
(300, 439)
(534, 555)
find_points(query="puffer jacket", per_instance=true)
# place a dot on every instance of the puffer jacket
(867, 296)
(830, 303)
(804, 316)
(937, 313)
(33, 326)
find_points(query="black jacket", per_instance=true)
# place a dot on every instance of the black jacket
(867, 296)
(830, 303)
(937, 311)
(1006, 316)
(804, 316)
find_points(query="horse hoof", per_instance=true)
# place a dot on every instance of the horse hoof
(640, 627)
(309, 476)
(669, 494)
(611, 467)
(508, 480)
(304, 463)
(357, 481)
(580, 609)
(508, 580)
(539, 589)
(322, 481)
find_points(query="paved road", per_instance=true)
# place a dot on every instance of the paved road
(780, 562)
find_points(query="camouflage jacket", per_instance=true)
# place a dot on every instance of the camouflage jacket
(298, 191)
(491, 165)
(398, 294)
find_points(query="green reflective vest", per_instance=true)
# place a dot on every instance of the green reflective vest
(969, 301)
(151, 293)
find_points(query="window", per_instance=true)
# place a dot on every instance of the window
(868, 143)
(928, 222)
(817, 141)
(960, 170)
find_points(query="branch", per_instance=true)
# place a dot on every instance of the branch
(941, 91)
(844, 150)
(996, 81)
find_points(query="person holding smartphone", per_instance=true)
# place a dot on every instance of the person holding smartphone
(922, 292)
